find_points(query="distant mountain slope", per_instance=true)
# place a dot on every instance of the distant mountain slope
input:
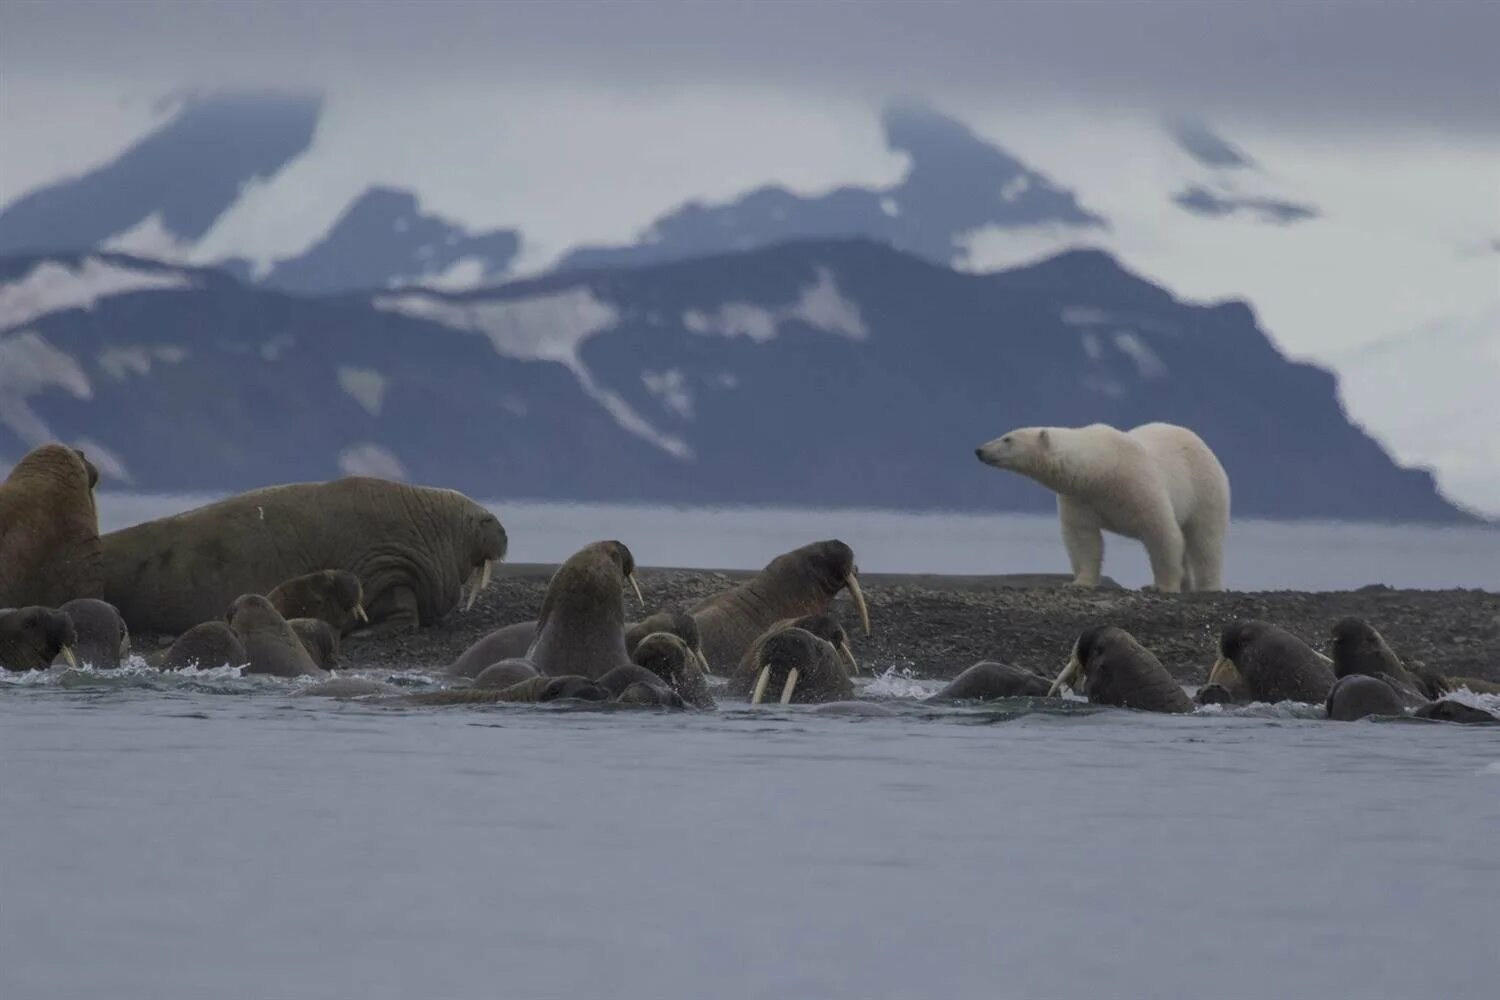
(956, 183)
(185, 174)
(826, 373)
(383, 239)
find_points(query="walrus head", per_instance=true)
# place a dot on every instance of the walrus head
(679, 623)
(335, 596)
(1076, 672)
(1359, 649)
(801, 658)
(826, 567)
(827, 628)
(31, 638)
(669, 657)
(251, 611)
(487, 545)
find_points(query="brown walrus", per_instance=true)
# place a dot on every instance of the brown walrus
(331, 595)
(989, 680)
(803, 667)
(532, 690)
(320, 639)
(103, 639)
(270, 644)
(581, 630)
(801, 582)
(825, 626)
(206, 646)
(1359, 649)
(31, 638)
(1111, 668)
(49, 530)
(415, 550)
(661, 661)
(512, 641)
(1358, 695)
(1272, 664)
(503, 674)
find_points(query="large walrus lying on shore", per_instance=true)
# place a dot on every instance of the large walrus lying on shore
(414, 549)
(49, 532)
(800, 582)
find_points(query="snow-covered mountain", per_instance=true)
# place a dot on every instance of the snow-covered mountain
(825, 372)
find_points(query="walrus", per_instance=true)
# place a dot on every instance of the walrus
(32, 637)
(1358, 695)
(806, 669)
(103, 639)
(1448, 710)
(663, 661)
(988, 681)
(331, 595)
(825, 626)
(503, 674)
(1474, 684)
(581, 629)
(205, 646)
(801, 582)
(1359, 649)
(1273, 664)
(415, 550)
(643, 693)
(512, 641)
(270, 644)
(1109, 667)
(320, 639)
(49, 530)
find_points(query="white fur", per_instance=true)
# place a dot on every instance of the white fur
(1157, 483)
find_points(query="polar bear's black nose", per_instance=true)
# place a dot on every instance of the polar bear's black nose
(979, 452)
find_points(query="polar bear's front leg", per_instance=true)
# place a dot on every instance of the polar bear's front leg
(1083, 535)
(1165, 546)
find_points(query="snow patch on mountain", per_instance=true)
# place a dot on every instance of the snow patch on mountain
(1146, 361)
(51, 286)
(820, 305)
(549, 327)
(30, 366)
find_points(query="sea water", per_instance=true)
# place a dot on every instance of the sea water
(209, 835)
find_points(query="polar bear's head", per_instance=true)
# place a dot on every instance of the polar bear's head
(1020, 450)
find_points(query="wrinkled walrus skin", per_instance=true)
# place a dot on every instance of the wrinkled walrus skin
(581, 630)
(413, 549)
(1110, 667)
(49, 530)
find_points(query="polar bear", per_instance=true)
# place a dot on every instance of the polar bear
(1158, 483)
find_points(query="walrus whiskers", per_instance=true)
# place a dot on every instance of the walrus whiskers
(790, 686)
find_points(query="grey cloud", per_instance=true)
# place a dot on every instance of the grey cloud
(1200, 200)
(1377, 62)
(1206, 146)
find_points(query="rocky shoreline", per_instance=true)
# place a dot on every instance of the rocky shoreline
(936, 626)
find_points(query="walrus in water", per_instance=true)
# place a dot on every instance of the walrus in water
(988, 681)
(662, 661)
(331, 595)
(1449, 710)
(825, 626)
(206, 646)
(534, 689)
(505, 673)
(103, 639)
(805, 668)
(513, 641)
(1359, 649)
(49, 530)
(1474, 684)
(1272, 664)
(416, 551)
(31, 638)
(270, 644)
(320, 639)
(1109, 667)
(801, 582)
(1357, 696)
(582, 625)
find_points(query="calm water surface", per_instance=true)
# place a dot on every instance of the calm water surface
(210, 836)
(206, 835)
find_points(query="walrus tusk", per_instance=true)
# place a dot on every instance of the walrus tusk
(484, 580)
(791, 685)
(1072, 670)
(359, 613)
(1224, 673)
(848, 655)
(472, 586)
(703, 661)
(859, 600)
(760, 684)
(637, 587)
(67, 654)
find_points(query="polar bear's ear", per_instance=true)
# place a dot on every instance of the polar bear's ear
(1042, 438)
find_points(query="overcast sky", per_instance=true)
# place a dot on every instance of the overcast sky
(1362, 63)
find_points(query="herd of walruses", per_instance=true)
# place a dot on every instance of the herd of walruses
(272, 580)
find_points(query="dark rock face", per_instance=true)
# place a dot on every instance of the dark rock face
(821, 373)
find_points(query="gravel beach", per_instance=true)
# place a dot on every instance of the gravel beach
(936, 626)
